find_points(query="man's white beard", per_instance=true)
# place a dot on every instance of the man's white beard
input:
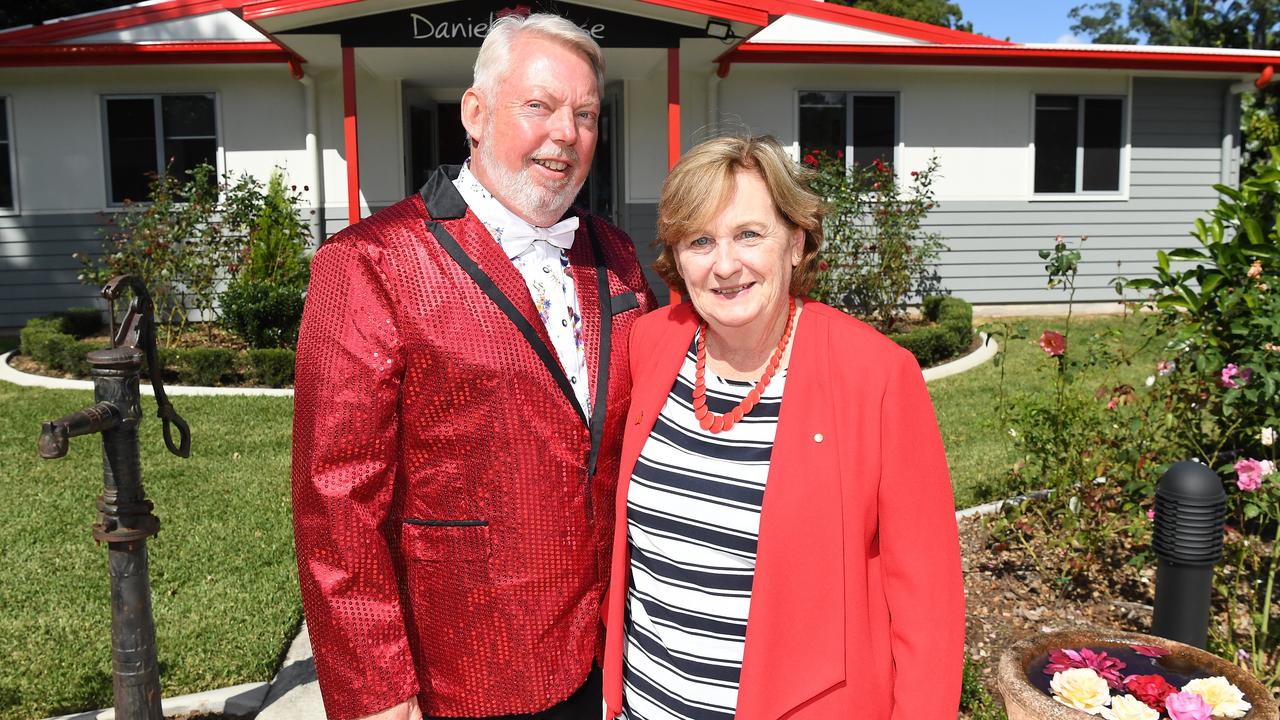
(529, 197)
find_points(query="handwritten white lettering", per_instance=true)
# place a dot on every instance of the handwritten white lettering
(426, 29)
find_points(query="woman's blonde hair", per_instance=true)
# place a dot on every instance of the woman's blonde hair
(703, 181)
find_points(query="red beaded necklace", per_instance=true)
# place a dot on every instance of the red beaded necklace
(717, 423)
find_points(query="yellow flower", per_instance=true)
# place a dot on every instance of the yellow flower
(1225, 699)
(1080, 688)
(1128, 707)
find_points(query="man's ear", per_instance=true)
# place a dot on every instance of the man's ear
(473, 112)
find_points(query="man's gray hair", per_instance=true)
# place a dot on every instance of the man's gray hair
(491, 64)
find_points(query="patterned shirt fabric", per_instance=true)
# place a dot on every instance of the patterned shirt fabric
(693, 517)
(545, 269)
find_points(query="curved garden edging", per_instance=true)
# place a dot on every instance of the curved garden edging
(8, 373)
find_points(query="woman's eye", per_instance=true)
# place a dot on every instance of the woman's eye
(749, 234)
(700, 242)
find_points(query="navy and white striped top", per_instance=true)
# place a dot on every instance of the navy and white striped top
(693, 516)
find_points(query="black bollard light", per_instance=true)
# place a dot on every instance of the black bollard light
(125, 520)
(1191, 510)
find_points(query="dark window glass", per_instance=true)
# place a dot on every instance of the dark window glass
(189, 137)
(873, 120)
(6, 159)
(1103, 118)
(131, 146)
(1056, 143)
(822, 123)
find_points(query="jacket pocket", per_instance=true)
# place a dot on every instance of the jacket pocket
(445, 540)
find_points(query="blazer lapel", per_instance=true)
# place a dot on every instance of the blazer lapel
(446, 206)
(795, 646)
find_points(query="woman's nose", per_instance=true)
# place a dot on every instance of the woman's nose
(726, 259)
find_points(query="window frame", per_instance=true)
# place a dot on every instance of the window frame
(850, 97)
(158, 113)
(1121, 193)
(12, 159)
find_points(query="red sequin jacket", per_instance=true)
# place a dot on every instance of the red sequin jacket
(453, 506)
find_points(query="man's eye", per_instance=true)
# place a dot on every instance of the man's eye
(535, 105)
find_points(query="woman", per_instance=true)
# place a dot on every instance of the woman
(843, 597)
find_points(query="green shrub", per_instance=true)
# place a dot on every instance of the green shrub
(271, 366)
(205, 365)
(81, 321)
(33, 340)
(71, 356)
(263, 315)
(948, 338)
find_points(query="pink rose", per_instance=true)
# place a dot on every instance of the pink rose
(1187, 706)
(1248, 474)
(1053, 343)
(1231, 372)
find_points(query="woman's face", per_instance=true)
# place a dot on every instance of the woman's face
(738, 268)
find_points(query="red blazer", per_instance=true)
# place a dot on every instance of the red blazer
(453, 507)
(857, 609)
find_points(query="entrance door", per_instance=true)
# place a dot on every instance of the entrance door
(602, 192)
(434, 136)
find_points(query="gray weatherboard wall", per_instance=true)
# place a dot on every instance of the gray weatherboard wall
(1176, 157)
(1176, 139)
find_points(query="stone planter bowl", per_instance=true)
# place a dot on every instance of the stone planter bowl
(1024, 701)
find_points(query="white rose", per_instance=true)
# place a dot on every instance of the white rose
(1082, 689)
(1268, 436)
(1128, 707)
(1225, 699)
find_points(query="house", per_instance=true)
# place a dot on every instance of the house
(358, 100)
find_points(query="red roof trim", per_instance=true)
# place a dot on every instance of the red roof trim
(153, 54)
(107, 21)
(1015, 55)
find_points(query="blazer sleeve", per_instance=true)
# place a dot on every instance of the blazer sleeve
(345, 450)
(920, 551)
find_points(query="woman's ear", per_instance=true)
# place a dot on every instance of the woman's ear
(797, 246)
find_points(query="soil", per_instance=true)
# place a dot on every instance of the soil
(1007, 597)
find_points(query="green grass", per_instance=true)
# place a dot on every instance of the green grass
(224, 583)
(979, 448)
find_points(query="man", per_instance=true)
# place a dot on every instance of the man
(461, 387)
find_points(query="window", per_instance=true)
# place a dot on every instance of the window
(857, 126)
(149, 135)
(1078, 143)
(8, 190)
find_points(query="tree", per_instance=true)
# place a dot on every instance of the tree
(1242, 24)
(29, 13)
(935, 12)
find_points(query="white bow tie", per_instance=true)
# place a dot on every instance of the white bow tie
(517, 239)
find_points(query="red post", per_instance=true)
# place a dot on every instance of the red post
(673, 106)
(673, 122)
(350, 135)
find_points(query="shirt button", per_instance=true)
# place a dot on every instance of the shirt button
(574, 379)
(817, 437)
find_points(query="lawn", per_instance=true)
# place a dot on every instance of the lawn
(979, 448)
(224, 584)
(223, 576)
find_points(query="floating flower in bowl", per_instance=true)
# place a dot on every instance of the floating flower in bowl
(1125, 676)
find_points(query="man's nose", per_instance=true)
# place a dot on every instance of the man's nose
(562, 128)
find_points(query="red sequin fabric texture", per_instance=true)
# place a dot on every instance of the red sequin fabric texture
(449, 543)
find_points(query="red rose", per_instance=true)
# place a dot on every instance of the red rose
(810, 160)
(1150, 689)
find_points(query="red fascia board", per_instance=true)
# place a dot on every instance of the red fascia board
(995, 56)
(154, 54)
(110, 20)
(880, 22)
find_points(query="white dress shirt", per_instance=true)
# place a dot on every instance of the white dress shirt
(545, 269)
